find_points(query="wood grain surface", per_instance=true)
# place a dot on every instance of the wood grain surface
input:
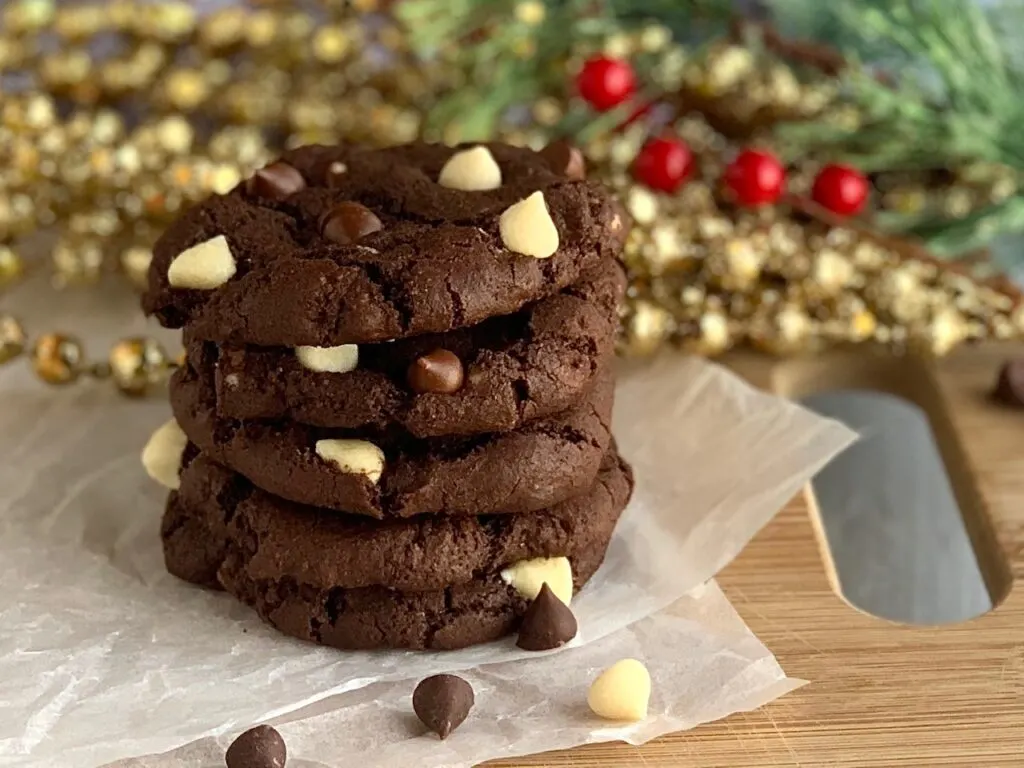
(881, 694)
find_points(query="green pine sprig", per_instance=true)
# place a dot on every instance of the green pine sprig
(958, 101)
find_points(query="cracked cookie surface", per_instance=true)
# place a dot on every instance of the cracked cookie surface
(437, 261)
(520, 367)
(426, 583)
(540, 464)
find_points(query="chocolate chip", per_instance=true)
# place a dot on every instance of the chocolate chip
(442, 702)
(565, 159)
(275, 182)
(349, 222)
(441, 371)
(1009, 389)
(548, 623)
(259, 747)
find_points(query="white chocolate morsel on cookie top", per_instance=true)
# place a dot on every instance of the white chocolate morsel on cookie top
(161, 457)
(621, 692)
(204, 266)
(341, 359)
(527, 227)
(528, 576)
(471, 170)
(358, 457)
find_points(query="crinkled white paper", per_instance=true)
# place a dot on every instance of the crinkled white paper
(103, 656)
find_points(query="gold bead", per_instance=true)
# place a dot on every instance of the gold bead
(136, 364)
(135, 264)
(28, 16)
(186, 89)
(174, 134)
(57, 359)
(76, 261)
(78, 22)
(11, 266)
(170, 20)
(261, 28)
(12, 338)
(224, 28)
(65, 68)
(331, 44)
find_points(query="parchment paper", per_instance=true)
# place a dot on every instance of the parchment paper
(104, 656)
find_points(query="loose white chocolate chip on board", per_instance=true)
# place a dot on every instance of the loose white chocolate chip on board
(340, 359)
(203, 267)
(471, 170)
(528, 576)
(621, 692)
(358, 457)
(527, 227)
(161, 457)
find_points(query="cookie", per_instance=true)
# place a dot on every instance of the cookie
(364, 245)
(517, 368)
(390, 474)
(321, 547)
(321, 576)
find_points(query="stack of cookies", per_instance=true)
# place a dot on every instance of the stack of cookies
(391, 426)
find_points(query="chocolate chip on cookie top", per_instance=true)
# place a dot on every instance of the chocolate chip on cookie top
(346, 245)
(275, 181)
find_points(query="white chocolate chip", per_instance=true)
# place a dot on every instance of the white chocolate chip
(358, 457)
(526, 227)
(528, 576)
(329, 359)
(471, 170)
(621, 692)
(161, 457)
(205, 266)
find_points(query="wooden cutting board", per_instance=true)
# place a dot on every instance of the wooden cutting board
(881, 694)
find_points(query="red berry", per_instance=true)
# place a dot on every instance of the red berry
(755, 178)
(605, 82)
(841, 189)
(663, 164)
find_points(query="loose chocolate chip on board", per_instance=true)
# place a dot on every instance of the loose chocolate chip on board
(439, 371)
(1009, 389)
(348, 222)
(259, 747)
(275, 182)
(442, 702)
(548, 623)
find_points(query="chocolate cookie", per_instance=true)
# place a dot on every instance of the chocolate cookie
(339, 245)
(537, 362)
(320, 576)
(389, 473)
(320, 547)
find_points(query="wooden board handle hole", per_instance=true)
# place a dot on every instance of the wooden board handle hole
(904, 531)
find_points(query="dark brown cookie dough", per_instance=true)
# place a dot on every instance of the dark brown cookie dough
(437, 262)
(215, 506)
(295, 565)
(541, 464)
(537, 362)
